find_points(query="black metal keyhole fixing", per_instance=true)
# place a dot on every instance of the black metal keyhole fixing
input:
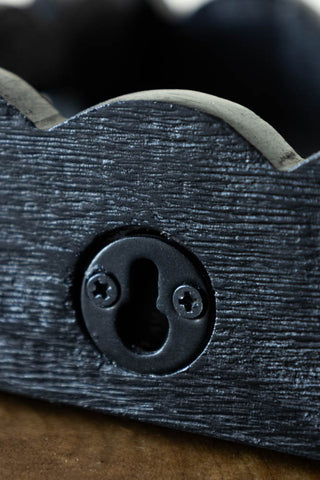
(148, 304)
(140, 325)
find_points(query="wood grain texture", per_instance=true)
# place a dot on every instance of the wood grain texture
(40, 441)
(250, 126)
(179, 171)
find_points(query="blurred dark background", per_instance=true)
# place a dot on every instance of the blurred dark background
(264, 54)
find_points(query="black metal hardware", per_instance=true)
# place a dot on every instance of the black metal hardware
(138, 297)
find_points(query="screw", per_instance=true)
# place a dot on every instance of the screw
(188, 302)
(102, 289)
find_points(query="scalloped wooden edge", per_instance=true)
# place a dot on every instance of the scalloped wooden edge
(256, 131)
(28, 101)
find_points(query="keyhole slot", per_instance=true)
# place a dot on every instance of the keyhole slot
(141, 327)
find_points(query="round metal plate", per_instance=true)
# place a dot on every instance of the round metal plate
(147, 330)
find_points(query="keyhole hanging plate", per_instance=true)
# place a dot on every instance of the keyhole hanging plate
(159, 267)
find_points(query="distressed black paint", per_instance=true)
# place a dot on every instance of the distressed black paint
(255, 229)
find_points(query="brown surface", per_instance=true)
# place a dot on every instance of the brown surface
(41, 441)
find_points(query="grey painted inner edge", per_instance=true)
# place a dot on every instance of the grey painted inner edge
(256, 131)
(28, 101)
